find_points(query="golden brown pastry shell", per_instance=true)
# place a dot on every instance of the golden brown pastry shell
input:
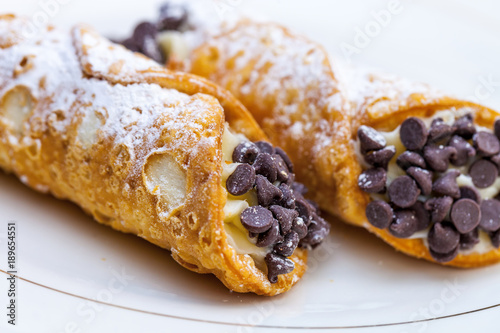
(323, 152)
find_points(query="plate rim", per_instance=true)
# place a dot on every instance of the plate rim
(215, 322)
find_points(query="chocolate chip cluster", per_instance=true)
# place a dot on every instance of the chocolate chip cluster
(172, 17)
(283, 219)
(428, 195)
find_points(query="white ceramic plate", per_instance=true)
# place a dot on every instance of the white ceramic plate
(79, 276)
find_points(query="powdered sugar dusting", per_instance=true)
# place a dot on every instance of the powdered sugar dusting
(381, 92)
(16, 30)
(364, 180)
(291, 76)
(373, 135)
(128, 114)
(109, 58)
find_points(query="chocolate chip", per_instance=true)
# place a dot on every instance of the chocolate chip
(299, 188)
(277, 265)
(284, 216)
(281, 168)
(443, 238)
(370, 139)
(438, 157)
(316, 233)
(447, 184)
(267, 193)
(381, 157)
(409, 159)
(444, 257)
(439, 208)
(469, 239)
(152, 50)
(300, 227)
(490, 215)
(464, 151)
(413, 133)
(467, 192)
(483, 173)
(288, 200)
(403, 192)
(245, 152)
(379, 213)
(404, 224)
(486, 143)
(304, 209)
(285, 158)
(422, 177)
(144, 29)
(496, 159)
(241, 180)
(372, 180)
(314, 204)
(465, 215)
(464, 126)
(290, 180)
(495, 238)
(288, 245)
(257, 219)
(145, 38)
(172, 16)
(130, 44)
(422, 215)
(264, 165)
(265, 147)
(439, 130)
(496, 127)
(271, 236)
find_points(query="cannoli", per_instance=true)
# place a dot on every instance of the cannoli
(167, 156)
(415, 167)
(437, 157)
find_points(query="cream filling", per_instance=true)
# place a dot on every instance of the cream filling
(173, 44)
(394, 171)
(237, 234)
